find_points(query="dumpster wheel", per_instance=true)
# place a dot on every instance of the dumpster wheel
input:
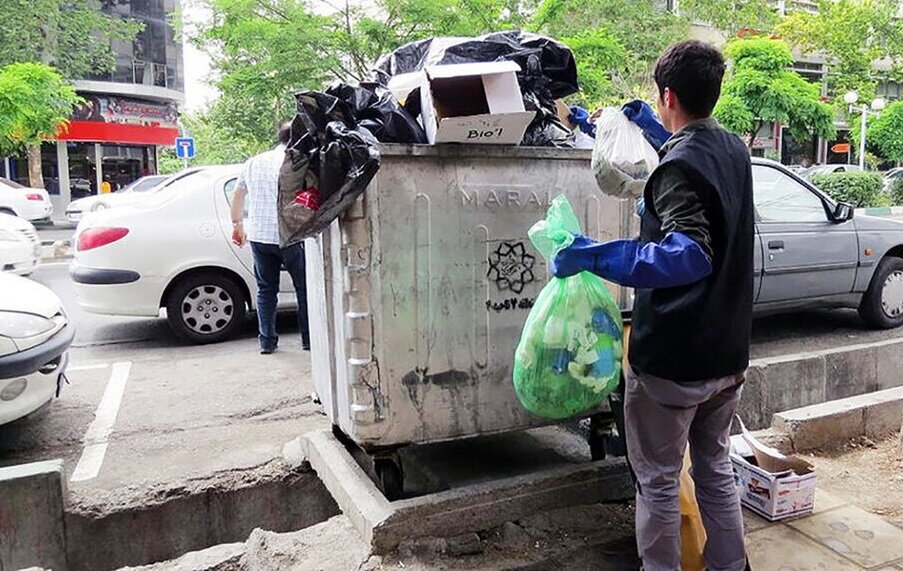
(390, 475)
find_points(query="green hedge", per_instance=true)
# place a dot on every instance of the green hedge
(861, 189)
(896, 192)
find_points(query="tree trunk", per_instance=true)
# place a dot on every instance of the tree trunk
(752, 135)
(35, 174)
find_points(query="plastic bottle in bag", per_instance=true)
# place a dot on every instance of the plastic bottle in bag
(569, 357)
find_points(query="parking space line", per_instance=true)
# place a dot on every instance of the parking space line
(87, 367)
(98, 434)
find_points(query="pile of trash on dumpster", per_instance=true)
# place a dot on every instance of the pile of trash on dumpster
(496, 89)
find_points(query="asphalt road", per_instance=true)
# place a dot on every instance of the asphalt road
(172, 412)
(186, 412)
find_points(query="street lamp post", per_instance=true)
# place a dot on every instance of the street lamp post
(878, 104)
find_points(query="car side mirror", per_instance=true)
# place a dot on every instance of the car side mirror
(843, 212)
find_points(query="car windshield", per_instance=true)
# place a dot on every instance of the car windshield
(10, 183)
(144, 184)
(178, 184)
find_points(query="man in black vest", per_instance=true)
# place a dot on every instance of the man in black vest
(692, 268)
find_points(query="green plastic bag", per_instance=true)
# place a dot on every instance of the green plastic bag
(569, 356)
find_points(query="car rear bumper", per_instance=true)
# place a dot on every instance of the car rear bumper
(18, 257)
(140, 298)
(35, 210)
(100, 276)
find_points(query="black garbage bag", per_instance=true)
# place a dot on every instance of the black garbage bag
(329, 161)
(548, 72)
(375, 109)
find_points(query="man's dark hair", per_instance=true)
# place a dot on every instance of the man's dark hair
(693, 70)
(284, 135)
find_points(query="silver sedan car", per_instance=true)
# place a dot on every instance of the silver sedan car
(813, 252)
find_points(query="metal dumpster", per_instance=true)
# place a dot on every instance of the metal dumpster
(419, 292)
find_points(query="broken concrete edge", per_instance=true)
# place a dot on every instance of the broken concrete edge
(834, 423)
(95, 504)
(351, 488)
(451, 513)
(484, 506)
(211, 513)
(818, 376)
(32, 523)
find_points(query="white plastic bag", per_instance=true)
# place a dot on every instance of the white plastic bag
(622, 158)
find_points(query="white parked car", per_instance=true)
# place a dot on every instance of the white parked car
(35, 335)
(129, 194)
(20, 248)
(173, 250)
(24, 202)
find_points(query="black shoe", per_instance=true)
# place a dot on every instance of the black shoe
(305, 345)
(267, 350)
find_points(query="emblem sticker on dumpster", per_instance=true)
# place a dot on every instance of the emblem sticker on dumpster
(511, 267)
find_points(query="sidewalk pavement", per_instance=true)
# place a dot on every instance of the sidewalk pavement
(837, 537)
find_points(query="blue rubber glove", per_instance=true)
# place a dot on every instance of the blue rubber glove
(642, 114)
(675, 261)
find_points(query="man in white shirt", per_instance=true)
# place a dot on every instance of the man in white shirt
(260, 180)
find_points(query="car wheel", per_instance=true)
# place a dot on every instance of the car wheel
(882, 305)
(7, 211)
(205, 308)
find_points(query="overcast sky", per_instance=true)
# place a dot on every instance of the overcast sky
(198, 93)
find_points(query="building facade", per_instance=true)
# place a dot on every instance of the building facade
(116, 134)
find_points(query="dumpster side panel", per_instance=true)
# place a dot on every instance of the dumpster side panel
(429, 280)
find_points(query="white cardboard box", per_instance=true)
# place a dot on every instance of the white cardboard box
(771, 484)
(477, 103)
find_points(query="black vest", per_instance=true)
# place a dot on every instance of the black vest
(702, 331)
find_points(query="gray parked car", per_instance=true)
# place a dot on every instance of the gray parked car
(811, 251)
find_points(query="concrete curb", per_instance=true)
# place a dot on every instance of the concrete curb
(881, 211)
(32, 528)
(835, 423)
(787, 382)
(467, 509)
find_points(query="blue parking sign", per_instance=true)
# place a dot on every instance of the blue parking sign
(185, 147)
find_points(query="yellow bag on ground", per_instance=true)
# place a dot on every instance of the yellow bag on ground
(692, 532)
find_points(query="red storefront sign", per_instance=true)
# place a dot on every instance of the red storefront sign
(124, 133)
(124, 120)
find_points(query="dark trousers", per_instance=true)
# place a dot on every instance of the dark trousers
(268, 262)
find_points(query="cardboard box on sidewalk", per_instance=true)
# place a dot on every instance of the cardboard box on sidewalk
(474, 103)
(771, 484)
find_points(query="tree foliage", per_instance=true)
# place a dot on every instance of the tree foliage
(853, 35)
(616, 43)
(761, 88)
(263, 50)
(73, 36)
(884, 135)
(732, 16)
(35, 101)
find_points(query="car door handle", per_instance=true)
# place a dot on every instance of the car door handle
(776, 245)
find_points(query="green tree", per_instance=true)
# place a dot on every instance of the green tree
(615, 42)
(760, 88)
(732, 16)
(884, 135)
(73, 36)
(214, 145)
(263, 50)
(35, 102)
(853, 35)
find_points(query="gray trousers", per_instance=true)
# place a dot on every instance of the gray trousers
(661, 416)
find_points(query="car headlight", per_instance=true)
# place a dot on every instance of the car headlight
(9, 236)
(17, 325)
